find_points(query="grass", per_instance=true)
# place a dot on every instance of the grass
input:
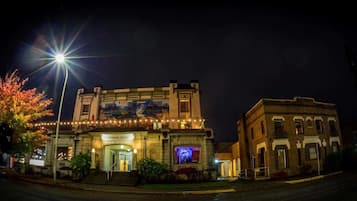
(187, 186)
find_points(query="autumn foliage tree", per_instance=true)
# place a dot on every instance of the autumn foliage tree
(19, 107)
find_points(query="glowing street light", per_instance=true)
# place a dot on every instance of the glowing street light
(60, 58)
(61, 62)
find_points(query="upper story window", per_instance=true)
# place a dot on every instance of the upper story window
(262, 127)
(278, 126)
(332, 126)
(184, 107)
(319, 126)
(85, 109)
(299, 127)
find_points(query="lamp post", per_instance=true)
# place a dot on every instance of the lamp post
(60, 60)
(318, 158)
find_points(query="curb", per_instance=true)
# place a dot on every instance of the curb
(198, 192)
(312, 178)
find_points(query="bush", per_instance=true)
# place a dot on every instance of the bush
(186, 170)
(151, 170)
(80, 165)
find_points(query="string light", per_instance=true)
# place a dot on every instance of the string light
(136, 122)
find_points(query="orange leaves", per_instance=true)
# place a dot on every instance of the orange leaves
(19, 106)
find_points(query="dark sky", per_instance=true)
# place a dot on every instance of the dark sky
(239, 52)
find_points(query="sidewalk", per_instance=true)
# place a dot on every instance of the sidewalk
(297, 181)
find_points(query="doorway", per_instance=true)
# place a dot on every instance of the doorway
(119, 158)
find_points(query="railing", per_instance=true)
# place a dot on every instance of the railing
(110, 172)
(261, 172)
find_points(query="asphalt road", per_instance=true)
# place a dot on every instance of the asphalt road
(342, 187)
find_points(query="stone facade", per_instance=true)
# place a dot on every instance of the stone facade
(119, 127)
(291, 136)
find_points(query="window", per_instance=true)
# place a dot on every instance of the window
(39, 153)
(299, 127)
(332, 126)
(335, 147)
(281, 157)
(319, 126)
(184, 106)
(311, 151)
(85, 109)
(64, 153)
(279, 127)
(252, 132)
(262, 127)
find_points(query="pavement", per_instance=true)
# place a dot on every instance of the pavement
(236, 186)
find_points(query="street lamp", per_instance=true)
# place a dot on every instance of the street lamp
(60, 61)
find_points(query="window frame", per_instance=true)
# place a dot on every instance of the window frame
(298, 131)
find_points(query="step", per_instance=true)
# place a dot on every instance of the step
(95, 178)
(124, 179)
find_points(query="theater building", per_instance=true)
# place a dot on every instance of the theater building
(287, 136)
(119, 127)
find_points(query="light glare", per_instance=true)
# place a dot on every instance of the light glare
(60, 58)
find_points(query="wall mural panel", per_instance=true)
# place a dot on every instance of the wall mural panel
(187, 154)
(135, 109)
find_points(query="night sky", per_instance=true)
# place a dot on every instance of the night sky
(238, 52)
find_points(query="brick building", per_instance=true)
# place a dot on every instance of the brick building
(287, 136)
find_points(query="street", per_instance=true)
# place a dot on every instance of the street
(340, 187)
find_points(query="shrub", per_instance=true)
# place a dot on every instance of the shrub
(80, 165)
(186, 170)
(151, 170)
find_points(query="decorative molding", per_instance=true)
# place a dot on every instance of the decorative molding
(261, 145)
(311, 139)
(308, 118)
(335, 139)
(278, 118)
(298, 118)
(298, 144)
(280, 142)
(331, 119)
(318, 118)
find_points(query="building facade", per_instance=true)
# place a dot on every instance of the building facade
(288, 136)
(227, 159)
(119, 127)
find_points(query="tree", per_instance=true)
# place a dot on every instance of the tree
(19, 107)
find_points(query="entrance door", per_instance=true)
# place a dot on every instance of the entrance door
(262, 157)
(124, 157)
(119, 158)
